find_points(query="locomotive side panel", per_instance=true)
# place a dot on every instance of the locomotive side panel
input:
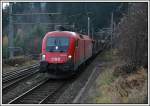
(81, 51)
(89, 49)
(76, 53)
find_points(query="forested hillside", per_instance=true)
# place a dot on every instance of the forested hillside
(28, 28)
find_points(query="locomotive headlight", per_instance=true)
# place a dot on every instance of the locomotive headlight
(69, 56)
(43, 57)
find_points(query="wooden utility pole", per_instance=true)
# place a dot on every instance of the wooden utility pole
(10, 35)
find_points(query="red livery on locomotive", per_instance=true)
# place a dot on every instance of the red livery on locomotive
(64, 51)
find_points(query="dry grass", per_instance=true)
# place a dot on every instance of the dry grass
(125, 88)
(132, 88)
(103, 88)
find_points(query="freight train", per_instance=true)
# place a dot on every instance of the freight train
(63, 52)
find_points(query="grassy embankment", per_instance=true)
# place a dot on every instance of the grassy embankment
(114, 85)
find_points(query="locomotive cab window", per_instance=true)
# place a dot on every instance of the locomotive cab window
(57, 44)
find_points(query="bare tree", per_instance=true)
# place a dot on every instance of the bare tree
(132, 35)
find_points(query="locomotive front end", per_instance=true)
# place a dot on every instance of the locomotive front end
(57, 55)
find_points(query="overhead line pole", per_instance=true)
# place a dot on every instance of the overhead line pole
(88, 26)
(112, 30)
(10, 35)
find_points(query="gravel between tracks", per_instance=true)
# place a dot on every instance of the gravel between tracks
(23, 86)
(70, 94)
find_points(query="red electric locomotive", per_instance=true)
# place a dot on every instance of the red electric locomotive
(64, 51)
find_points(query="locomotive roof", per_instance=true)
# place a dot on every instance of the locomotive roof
(68, 33)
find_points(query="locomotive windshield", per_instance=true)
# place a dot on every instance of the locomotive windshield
(57, 44)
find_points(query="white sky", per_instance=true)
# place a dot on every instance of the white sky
(4, 4)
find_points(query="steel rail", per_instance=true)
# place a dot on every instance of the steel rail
(27, 92)
(6, 87)
(17, 71)
(19, 74)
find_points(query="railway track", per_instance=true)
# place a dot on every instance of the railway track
(6, 87)
(39, 93)
(49, 91)
(19, 73)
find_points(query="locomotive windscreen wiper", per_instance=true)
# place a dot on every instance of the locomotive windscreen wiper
(51, 51)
